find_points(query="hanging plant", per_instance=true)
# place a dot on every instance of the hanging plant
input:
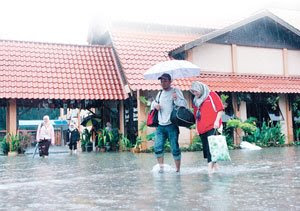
(224, 99)
(273, 101)
(246, 97)
(146, 102)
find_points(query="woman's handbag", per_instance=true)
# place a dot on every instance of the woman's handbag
(182, 116)
(152, 118)
(218, 148)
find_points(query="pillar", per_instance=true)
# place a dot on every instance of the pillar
(11, 116)
(234, 58)
(287, 123)
(285, 62)
(142, 116)
(121, 116)
(237, 112)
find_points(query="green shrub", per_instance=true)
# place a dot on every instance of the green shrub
(125, 142)
(233, 123)
(248, 128)
(267, 136)
(4, 144)
(196, 144)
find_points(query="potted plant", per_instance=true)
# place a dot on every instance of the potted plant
(137, 146)
(106, 139)
(114, 141)
(14, 143)
(125, 143)
(4, 145)
(89, 146)
(102, 138)
(86, 144)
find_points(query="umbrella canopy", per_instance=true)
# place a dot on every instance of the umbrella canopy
(91, 120)
(176, 68)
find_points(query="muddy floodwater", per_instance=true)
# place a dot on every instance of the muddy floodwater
(267, 179)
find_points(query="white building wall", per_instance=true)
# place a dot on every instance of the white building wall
(213, 57)
(293, 60)
(259, 60)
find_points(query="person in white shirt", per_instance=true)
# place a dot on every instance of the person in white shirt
(164, 103)
(45, 136)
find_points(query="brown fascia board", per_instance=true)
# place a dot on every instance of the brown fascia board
(219, 32)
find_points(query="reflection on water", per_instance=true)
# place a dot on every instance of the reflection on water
(255, 180)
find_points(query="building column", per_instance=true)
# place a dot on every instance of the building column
(285, 62)
(234, 58)
(79, 120)
(121, 116)
(287, 123)
(239, 111)
(11, 117)
(142, 116)
(61, 113)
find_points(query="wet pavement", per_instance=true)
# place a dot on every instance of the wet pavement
(268, 179)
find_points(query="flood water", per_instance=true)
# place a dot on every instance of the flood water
(268, 179)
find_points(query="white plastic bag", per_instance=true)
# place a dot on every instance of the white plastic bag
(218, 148)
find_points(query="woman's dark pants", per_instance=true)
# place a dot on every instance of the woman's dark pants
(44, 147)
(206, 152)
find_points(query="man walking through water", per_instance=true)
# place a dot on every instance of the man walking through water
(164, 102)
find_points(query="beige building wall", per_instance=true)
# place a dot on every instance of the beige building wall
(283, 108)
(218, 58)
(293, 61)
(212, 57)
(259, 60)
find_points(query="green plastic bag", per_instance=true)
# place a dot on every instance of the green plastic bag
(218, 148)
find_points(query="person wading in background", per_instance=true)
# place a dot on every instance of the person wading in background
(45, 136)
(73, 136)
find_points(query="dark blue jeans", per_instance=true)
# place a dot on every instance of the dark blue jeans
(163, 133)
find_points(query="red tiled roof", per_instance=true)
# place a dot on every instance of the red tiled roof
(31, 70)
(139, 48)
(239, 83)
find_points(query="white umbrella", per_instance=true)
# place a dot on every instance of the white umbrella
(176, 68)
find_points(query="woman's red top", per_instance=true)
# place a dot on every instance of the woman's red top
(207, 113)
